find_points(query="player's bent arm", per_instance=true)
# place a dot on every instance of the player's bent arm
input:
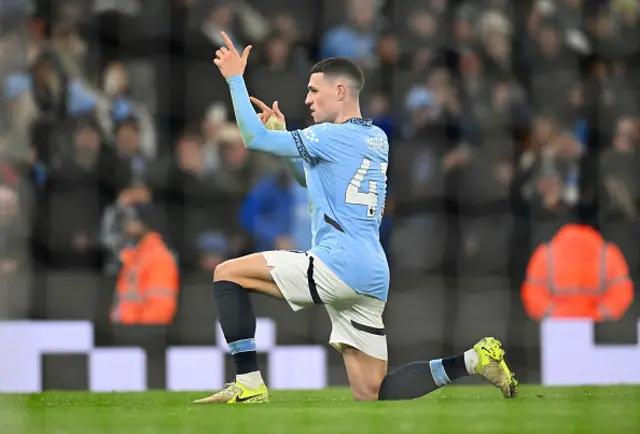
(296, 167)
(254, 134)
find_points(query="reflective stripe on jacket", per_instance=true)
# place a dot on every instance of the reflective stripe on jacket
(147, 287)
(577, 275)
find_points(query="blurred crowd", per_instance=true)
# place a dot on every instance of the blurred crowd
(507, 119)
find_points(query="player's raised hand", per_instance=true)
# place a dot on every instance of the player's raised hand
(229, 61)
(278, 113)
(268, 112)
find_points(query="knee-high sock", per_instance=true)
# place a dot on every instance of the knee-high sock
(417, 379)
(238, 323)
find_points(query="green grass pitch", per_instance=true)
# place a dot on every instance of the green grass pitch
(460, 410)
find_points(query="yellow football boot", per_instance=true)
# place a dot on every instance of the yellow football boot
(493, 368)
(236, 393)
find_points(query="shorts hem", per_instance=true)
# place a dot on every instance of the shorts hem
(282, 287)
(338, 343)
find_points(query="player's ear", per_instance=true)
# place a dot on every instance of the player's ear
(341, 93)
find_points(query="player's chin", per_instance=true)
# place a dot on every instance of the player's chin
(316, 117)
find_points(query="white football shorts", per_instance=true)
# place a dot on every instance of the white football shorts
(356, 319)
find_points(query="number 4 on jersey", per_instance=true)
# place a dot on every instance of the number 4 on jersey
(370, 199)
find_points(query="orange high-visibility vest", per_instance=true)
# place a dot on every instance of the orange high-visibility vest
(577, 275)
(147, 288)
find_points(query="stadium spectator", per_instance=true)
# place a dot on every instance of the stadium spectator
(379, 109)
(88, 178)
(112, 233)
(147, 287)
(276, 214)
(213, 248)
(116, 106)
(619, 173)
(240, 22)
(214, 120)
(423, 37)
(68, 45)
(473, 84)
(355, 38)
(390, 59)
(16, 205)
(434, 109)
(186, 191)
(287, 28)
(619, 196)
(285, 25)
(463, 32)
(577, 275)
(497, 50)
(554, 68)
(240, 169)
(129, 148)
(278, 53)
(463, 88)
(492, 121)
(554, 186)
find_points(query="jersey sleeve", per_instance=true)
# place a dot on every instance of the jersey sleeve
(255, 135)
(317, 143)
(296, 167)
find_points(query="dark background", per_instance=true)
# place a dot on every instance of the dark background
(507, 119)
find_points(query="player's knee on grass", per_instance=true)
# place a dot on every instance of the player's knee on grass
(365, 374)
(366, 387)
(365, 391)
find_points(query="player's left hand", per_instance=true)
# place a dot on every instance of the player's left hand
(268, 112)
(228, 59)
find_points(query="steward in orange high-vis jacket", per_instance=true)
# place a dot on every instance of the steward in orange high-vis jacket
(147, 288)
(577, 275)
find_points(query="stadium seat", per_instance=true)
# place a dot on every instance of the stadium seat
(418, 243)
(143, 82)
(288, 88)
(148, 337)
(422, 300)
(483, 309)
(485, 245)
(305, 13)
(480, 189)
(203, 87)
(336, 374)
(402, 10)
(153, 23)
(373, 83)
(415, 178)
(543, 230)
(626, 235)
(153, 340)
(550, 90)
(624, 331)
(15, 295)
(194, 323)
(71, 295)
(403, 81)
(419, 236)
(523, 342)
(333, 13)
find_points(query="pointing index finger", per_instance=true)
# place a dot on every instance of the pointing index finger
(260, 104)
(227, 41)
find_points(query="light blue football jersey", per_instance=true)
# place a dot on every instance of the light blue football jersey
(346, 174)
